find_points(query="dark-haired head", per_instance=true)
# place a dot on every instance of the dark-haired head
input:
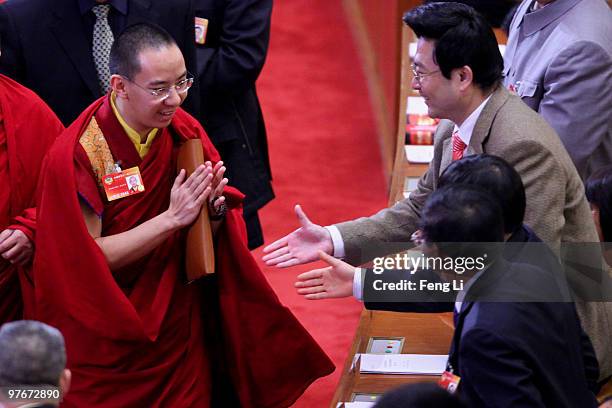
(599, 194)
(127, 47)
(461, 213)
(496, 176)
(462, 37)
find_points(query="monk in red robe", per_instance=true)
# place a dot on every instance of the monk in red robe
(27, 129)
(109, 265)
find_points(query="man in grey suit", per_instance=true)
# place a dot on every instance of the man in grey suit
(559, 61)
(458, 71)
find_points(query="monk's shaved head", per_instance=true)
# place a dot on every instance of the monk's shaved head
(125, 52)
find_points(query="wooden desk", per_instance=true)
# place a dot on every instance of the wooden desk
(424, 333)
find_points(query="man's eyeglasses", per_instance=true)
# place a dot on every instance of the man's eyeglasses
(420, 75)
(161, 94)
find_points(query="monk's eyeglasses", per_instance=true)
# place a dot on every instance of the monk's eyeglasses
(161, 94)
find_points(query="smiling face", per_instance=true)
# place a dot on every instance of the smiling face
(440, 94)
(159, 68)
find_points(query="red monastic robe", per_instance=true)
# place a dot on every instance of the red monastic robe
(141, 337)
(28, 127)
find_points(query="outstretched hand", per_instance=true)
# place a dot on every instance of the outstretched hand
(334, 281)
(301, 246)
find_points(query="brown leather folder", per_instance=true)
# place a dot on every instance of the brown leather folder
(199, 250)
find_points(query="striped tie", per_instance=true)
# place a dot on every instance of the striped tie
(458, 147)
(101, 45)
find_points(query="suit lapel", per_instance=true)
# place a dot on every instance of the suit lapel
(485, 120)
(453, 354)
(535, 21)
(69, 31)
(447, 154)
(513, 37)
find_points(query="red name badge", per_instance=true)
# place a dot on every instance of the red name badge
(449, 381)
(123, 183)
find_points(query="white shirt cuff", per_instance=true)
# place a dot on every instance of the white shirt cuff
(357, 287)
(337, 241)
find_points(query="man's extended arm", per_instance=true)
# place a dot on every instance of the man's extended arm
(395, 224)
(362, 237)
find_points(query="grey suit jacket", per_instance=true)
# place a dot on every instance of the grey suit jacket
(559, 60)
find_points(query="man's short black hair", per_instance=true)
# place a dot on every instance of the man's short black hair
(461, 213)
(462, 37)
(495, 175)
(494, 11)
(599, 193)
(125, 52)
(31, 353)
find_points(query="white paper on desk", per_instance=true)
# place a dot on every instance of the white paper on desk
(431, 364)
(419, 153)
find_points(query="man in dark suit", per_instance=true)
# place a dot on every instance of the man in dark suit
(32, 354)
(48, 45)
(510, 348)
(231, 45)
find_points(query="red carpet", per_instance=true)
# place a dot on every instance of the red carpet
(324, 153)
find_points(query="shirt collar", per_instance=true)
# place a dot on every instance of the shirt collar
(543, 16)
(119, 5)
(141, 148)
(467, 127)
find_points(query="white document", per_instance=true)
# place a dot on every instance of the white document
(358, 404)
(428, 364)
(419, 153)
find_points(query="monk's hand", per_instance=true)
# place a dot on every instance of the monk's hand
(15, 247)
(187, 196)
(216, 199)
(300, 246)
(335, 281)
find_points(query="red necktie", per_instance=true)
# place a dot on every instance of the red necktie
(458, 146)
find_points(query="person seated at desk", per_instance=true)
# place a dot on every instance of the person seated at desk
(509, 348)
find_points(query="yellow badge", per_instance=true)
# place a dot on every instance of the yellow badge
(201, 27)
